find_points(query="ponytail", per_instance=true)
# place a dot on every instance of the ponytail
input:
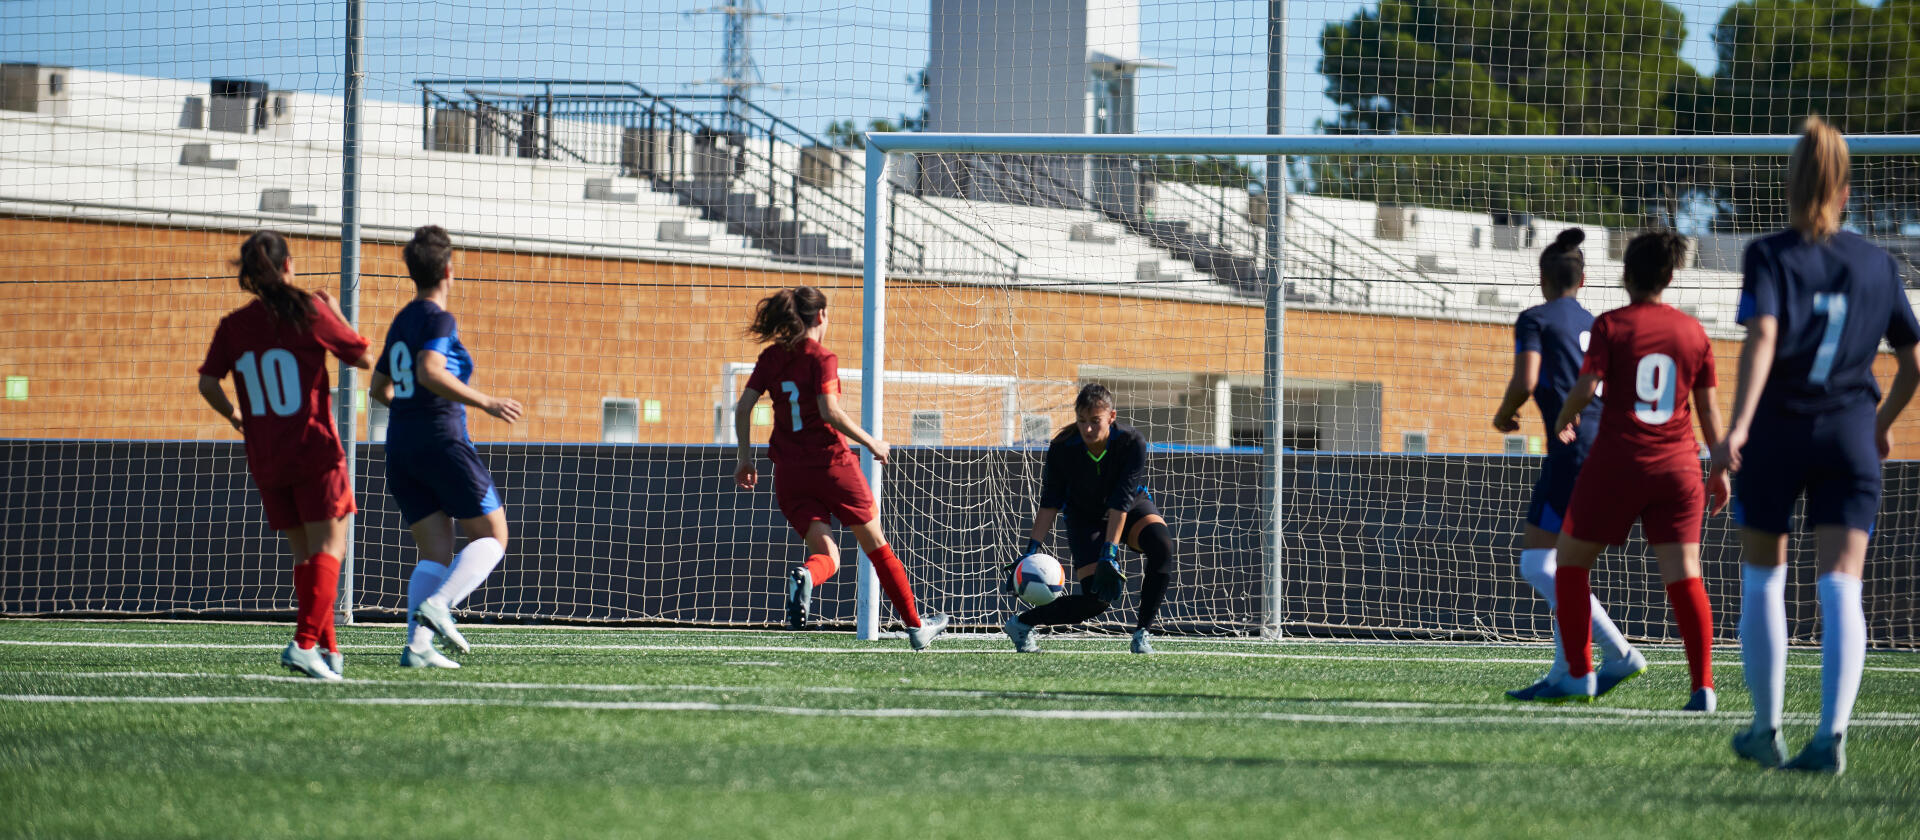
(785, 316)
(261, 257)
(1817, 177)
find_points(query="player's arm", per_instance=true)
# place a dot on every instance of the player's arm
(838, 419)
(745, 473)
(1706, 404)
(341, 339)
(432, 372)
(216, 397)
(381, 389)
(1904, 381)
(1526, 376)
(1577, 401)
(1756, 362)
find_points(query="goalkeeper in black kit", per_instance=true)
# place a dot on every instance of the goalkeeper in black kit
(1096, 474)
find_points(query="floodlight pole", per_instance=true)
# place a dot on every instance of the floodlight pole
(347, 412)
(873, 349)
(1273, 383)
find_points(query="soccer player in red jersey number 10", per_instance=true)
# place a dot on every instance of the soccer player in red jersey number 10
(1645, 464)
(819, 478)
(277, 348)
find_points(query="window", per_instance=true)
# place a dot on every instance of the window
(1413, 443)
(1036, 428)
(376, 422)
(619, 420)
(926, 428)
(1516, 444)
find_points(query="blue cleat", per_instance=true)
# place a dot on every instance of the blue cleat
(1703, 700)
(1142, 643)
(1525, 694)
(1567, 690)
(1760, 747)
(1022, 636)
(1822, 755)
(799, 597)
(1612, 674)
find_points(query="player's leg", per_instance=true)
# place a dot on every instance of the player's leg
(893, 581)
(1842, 553)
(1083, 545)
(317, 584)
(466, 492)
(1148, 535)
(1680, 573)
(1771, 477)
(433, 535)
(1574, 594)
(821, 564)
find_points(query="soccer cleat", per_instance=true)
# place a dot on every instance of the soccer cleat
(1530, 692)
(1022, 636)
(921, 637)
(1821, 755)
(1141, 642)
(1567, 689)
(1703, 700)
(337, 662)
(429, 658)
(799, 597)
(1761, 747)
(309, 662)
(438, 618)
(1612, 674)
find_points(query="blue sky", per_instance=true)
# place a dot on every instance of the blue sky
(830, 59)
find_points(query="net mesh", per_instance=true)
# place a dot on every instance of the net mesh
(624, 180)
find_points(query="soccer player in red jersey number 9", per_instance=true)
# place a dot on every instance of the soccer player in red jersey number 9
(277, 348)
(1645, 464)
(1816, 301)
(819, 477)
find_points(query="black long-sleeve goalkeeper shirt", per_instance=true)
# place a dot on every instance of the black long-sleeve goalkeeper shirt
(1085, 487)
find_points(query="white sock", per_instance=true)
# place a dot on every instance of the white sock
(470, 568)
(1843, 650)
(1612, 642)
(1763, 640)
(1537, 565)
(426, 580)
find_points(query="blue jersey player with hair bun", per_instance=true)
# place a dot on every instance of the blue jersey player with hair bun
(433, 471)
(1816, 301)
(1550, 341)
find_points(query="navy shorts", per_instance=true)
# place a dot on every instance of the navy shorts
(440, 477)
(1831, 457)
(1084, 538)
(1554, 489)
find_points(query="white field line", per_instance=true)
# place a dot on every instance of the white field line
(670, 648)
(1026, 714)
(1886, 718)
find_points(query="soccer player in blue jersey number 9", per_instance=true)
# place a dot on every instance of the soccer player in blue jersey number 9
(1816, 302)
(433, 472)
(1550, 340)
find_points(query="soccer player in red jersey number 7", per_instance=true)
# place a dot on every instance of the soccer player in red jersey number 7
(1816, 302)
(277, 348)
(819, 477)
(1644, 465)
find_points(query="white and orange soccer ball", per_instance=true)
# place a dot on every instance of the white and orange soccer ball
(1038, 579)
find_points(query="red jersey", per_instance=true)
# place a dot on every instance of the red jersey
(796, 377)
(1649, 357)
(280, 374)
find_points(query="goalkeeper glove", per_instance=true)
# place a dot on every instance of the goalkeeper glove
(1108, 581)
(1006, 572)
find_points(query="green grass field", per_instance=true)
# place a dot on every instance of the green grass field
(132, 729)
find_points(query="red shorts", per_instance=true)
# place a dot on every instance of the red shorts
(813, 494)
(1609, 495)
(322, 498)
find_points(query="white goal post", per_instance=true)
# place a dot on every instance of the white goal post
(1274, 276)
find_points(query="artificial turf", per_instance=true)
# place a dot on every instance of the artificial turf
(123, 729)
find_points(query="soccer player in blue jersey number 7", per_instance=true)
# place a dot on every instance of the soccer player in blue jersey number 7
(1816, 302)
(433, 472)
(1550, 340)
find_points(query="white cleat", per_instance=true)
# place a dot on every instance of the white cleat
(1021, 634)
(439, 618)
(1142, 643)
(337, 662)
(308, 661)
(429, 658)
(921, 637)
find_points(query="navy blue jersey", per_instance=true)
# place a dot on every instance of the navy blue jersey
(1087, 487)
(1835, 300)
(417, 414)
(1558, 330)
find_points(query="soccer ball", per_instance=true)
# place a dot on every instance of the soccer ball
(1038, 579)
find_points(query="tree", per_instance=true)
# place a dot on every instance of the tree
(1856, 65)
(1517, 67)
(844, 134)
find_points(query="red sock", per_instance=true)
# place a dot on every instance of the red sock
(1574, 592)
(305, 633)
(321, 591)
(1695, 617)
(893, 579)
(821, 567)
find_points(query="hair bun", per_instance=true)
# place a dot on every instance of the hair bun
(1570, 238)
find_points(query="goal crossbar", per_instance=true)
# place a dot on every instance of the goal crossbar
(1253, 145)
